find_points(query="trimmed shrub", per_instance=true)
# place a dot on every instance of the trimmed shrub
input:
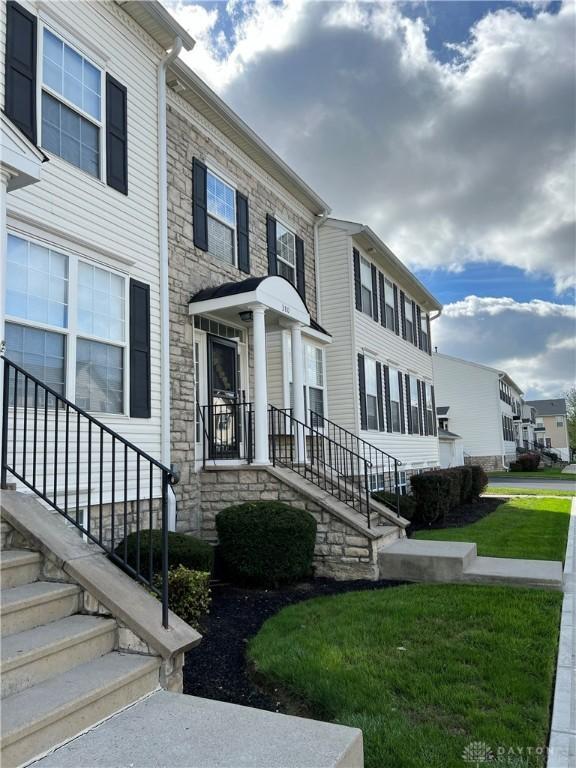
(266, 543)
(455, 477)
(479, 480)
(525, 462)
(183, 550)
(407, 503)
(188, 593)
(466, 484)
(432, 493)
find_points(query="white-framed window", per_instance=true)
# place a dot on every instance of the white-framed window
(366, 286)
(371, 393)
(402, 483)
(314, 381)
(389, 302)
(424, 332)
(408, 305)
(66, 323)
(414, 409)
(377, 481)
(71, 106)
(559, 421)
(429, 410)
(286, 252)
(221, 204)
(395, 412)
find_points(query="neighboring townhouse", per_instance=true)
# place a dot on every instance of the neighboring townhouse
(483, 403)
(525, 426)
(551, 425)
(379, 365)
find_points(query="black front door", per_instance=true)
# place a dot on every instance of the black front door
(223, 422)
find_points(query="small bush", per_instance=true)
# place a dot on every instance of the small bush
(183, 550)
(479, 480)
(188, 593)
(432, 493)
(407, 503)
(455, 477)
(526, 462)
(266, 543)
(466, 484)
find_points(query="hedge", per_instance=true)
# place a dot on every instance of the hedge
(525, 462)
(266, 543)
(438, 491)
(183, 550)
(407, 503)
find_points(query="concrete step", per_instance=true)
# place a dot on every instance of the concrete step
(414, 560)
(41, 602)
(19, 566)
(179, 731)
(50, 713)
(5, 531)
(545, 574)
(35, 655)
(389, 534)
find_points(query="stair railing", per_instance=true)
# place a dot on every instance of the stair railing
(101, 483)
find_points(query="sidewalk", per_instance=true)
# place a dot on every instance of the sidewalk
(562, 747)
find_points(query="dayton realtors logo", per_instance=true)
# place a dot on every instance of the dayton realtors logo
(477, 753)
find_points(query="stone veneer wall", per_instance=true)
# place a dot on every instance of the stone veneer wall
(131, 519)
(342, 552)
(489, 463)
(189, 136)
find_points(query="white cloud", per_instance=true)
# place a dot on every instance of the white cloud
(449, 163)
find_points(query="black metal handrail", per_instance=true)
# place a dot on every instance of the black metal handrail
(48, 440)
(315, 456)
(384, 472)
(227, 431)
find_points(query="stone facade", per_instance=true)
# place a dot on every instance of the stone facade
(190, 269)
(342, 551)
(489, 463)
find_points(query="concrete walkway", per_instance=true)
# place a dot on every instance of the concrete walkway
(570, 468)
(550, 484)
(562, 747)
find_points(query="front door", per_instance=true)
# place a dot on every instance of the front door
(223, 422)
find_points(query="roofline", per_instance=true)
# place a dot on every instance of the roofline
(199, 89)
(356, 228)
(501, 374)
(160, 15)
(532, 403)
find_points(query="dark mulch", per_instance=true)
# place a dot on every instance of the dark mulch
(217, 668)
(463, 515)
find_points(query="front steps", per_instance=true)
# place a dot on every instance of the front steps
(453, 562)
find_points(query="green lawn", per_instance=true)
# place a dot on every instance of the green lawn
(423, 670)
(546, 472)
(498, 490)
(535, 529)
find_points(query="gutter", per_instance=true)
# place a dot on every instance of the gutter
(164, 291)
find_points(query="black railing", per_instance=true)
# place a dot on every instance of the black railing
(330, 465)
(100, 482)
(227, 431)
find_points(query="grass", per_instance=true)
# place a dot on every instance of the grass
(553, 473)
(536, 529)
(499, 490)
(423, 670)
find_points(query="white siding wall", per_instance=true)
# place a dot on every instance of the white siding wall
(472, 394)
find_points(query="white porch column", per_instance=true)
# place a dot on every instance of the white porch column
(298, 388)
(4, 177)
(261, 452)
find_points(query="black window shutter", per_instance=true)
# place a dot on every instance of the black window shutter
(271, 244)
(401, 390)
(419, 327)
(199, 205)
(403, 313)
(408, 405)
(139, 350)
(434, 420)
(116, 135)
(357, 283)
(20, 77)
(424, 414)
(362, 392)
(242, 232)
(374, 293)
(300, 273)
(416, 331)
(396, 314)
(387, 398)
(429, 350)
(380, 397)
(419, 429)
(382, 299)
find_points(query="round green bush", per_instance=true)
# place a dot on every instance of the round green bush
(183, 550)
(266, 543)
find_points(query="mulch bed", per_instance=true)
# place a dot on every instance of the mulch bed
(464, 515)
(217, 668)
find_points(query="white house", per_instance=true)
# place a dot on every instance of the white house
(450, 445)
(379, 365)
(483, 403)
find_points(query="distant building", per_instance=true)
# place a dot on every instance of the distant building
(551, 427)
(450, 445)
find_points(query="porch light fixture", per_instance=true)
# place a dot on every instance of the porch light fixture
(246, 316)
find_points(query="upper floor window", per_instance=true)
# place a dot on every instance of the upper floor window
(559, 421)
(414, 405)
(371, 394)
(394, 399)
(286, 252)
(389, 301)
(71, 105)
(221, 205)
(366, 283)
(424, 332)
(408, 309)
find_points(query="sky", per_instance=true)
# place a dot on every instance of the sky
(449, 128)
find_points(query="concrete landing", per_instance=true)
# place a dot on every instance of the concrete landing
(172, 729)
(522, 573)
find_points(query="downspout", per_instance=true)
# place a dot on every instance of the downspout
(164, 291)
